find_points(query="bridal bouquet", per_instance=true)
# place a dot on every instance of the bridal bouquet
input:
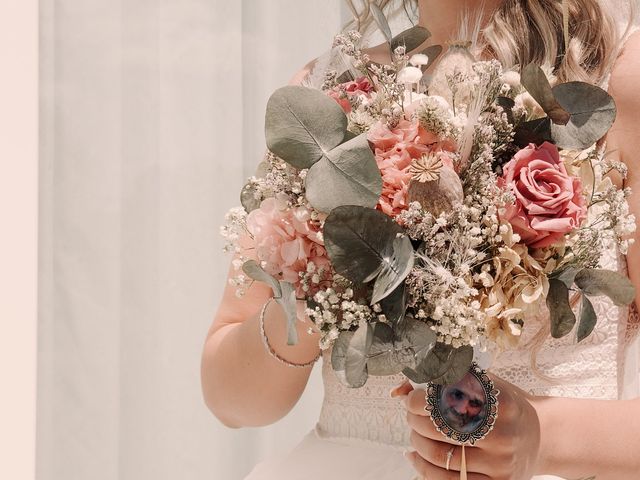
(422, 215)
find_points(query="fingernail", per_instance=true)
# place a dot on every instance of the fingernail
(395, 391)
(408, 454)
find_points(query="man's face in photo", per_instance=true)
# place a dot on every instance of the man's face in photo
(462, 404)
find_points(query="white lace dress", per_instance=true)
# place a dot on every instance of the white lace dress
(361, 433)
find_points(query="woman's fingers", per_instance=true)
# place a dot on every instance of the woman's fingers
(436, 453)
(401, 390)
(425, 427)
(416, 401)
(433, 472)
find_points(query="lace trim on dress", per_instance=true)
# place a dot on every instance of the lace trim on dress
(367, 414)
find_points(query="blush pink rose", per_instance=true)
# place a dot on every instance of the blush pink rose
(548, 201)
(343, 92)
(394, 151)
(286, 240)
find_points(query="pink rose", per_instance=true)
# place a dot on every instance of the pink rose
(343, 92)
(394, 151)
(548, 201)
(286, 240)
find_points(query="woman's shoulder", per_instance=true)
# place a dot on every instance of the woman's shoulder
(625, 73)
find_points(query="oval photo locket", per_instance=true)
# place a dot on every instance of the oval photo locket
(464, 411)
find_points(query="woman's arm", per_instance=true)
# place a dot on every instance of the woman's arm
(242, 384)
(584, 437)
(624, 138)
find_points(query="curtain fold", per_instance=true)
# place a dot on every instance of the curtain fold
(151, 119)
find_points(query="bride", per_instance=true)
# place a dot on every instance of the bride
(573, 412)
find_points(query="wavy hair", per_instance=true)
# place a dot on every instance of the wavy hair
(524, 31)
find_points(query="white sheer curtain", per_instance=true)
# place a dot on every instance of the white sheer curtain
(151, 118)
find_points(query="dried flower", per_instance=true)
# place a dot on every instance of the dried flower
(426, 168)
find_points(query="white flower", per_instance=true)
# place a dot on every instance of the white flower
(419, 59)
(511, 78)
(409, 75)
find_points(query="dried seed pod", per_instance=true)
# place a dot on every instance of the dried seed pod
(437, 196)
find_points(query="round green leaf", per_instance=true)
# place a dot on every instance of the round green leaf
(592, 110)
(394, 305)
(595, 281)
(416, 337)
(537, 84)
(411, 38)
(347, 175)
(362, 244)
(588, 319)
(248, 198)
(303, 124)
(383, 359)
(560, 314)
(395, 268)
(355, 367)
(445, 364)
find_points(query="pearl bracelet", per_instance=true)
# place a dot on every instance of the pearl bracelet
(270, 349)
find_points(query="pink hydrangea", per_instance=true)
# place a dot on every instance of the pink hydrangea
(394, 150)
(286, 240)
(343, 92)
(548, 201)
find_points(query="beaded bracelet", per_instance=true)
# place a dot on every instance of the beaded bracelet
(270, 349)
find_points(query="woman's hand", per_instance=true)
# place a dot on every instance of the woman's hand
(511, 451)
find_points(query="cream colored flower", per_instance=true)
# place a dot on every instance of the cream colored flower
(519, 284)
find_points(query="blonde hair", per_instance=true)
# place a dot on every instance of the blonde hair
(523, 31)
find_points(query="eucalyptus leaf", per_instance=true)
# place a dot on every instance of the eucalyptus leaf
(416, 337)
(444, 365)
(588, 319)
(411, 38)
(262, 169)
(414, 375)
(561, 316)
(288, 303)
(339, 354)
(248, 198)
(595, 281)
(360, 243)
(592, 110)
(383, 358)
(535, 131)
(356, 356)
(347, 175)
(535, 81)
(345, 77)
(381, 21)
(394, 305)
(302, 125)
(566, 275)
(256, 272)
(396, 266)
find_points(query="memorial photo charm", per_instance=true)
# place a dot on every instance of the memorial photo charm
(466, 410)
